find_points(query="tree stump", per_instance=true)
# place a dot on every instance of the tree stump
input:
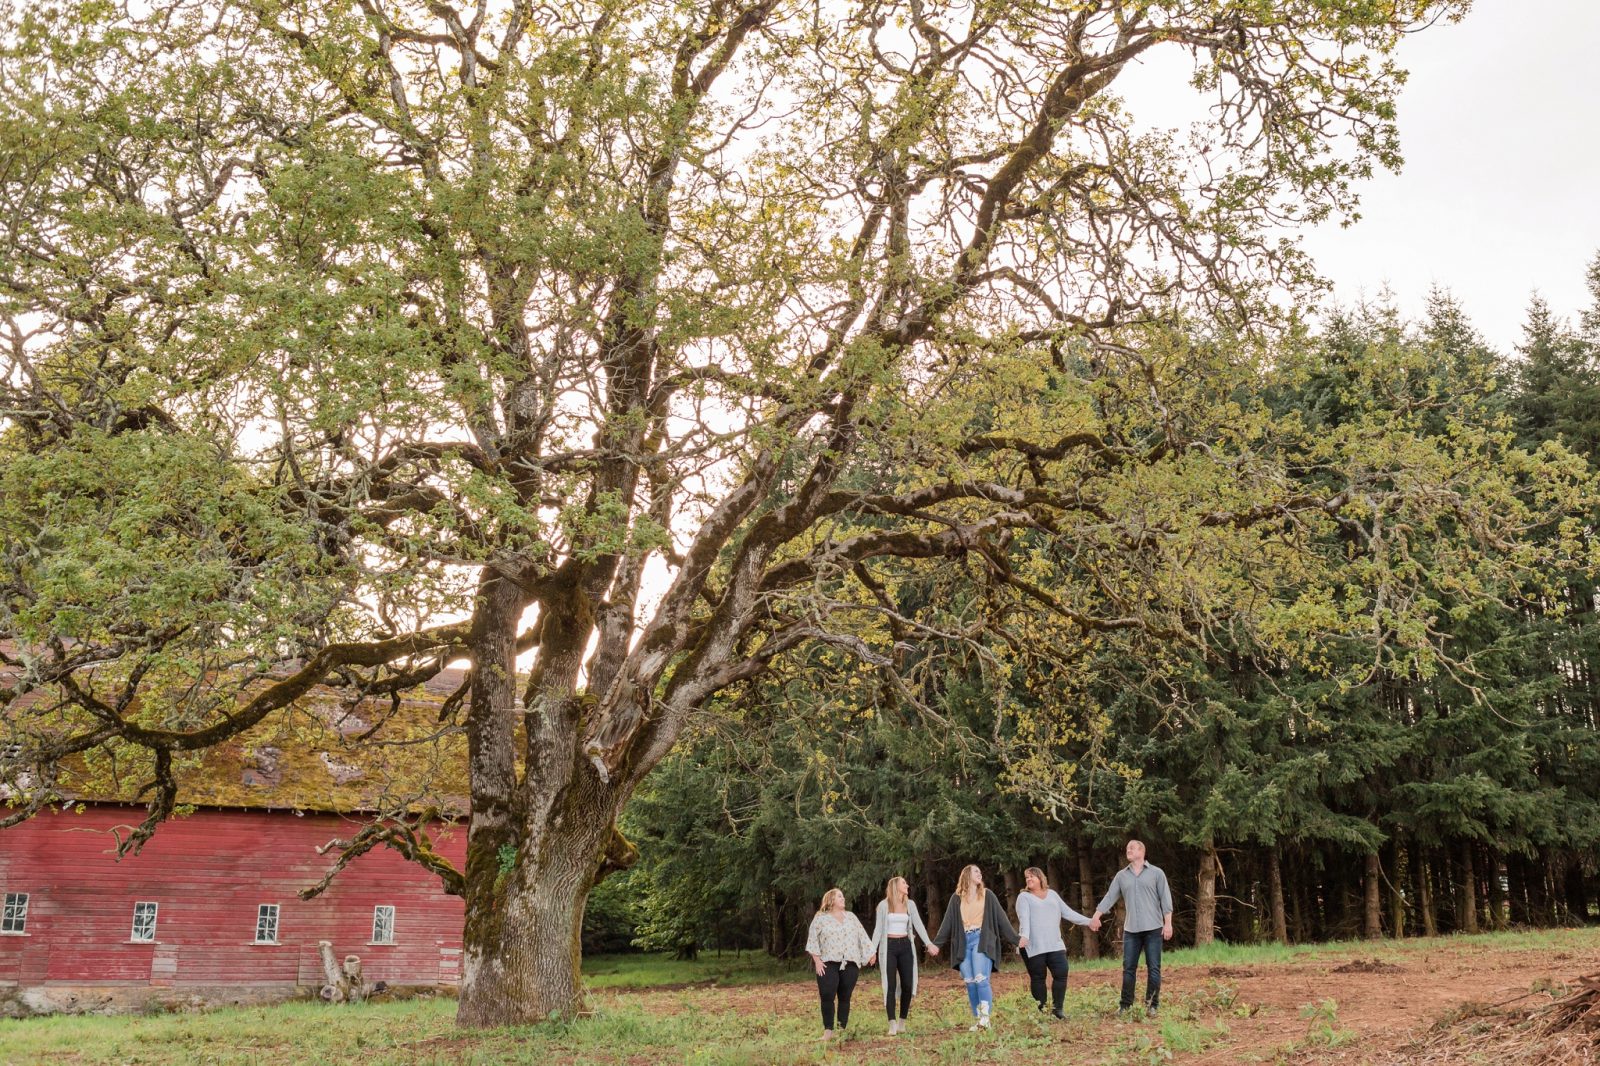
(335, 988)
(355, 985)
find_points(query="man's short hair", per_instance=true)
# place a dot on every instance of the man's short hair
(1131, 843)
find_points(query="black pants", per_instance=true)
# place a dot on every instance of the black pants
(1147, 942)
(1055, 963)
(898, 962)
(837, 981)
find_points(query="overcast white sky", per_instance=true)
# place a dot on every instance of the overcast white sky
(1500, 193)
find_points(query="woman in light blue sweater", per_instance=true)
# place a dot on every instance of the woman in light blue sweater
(1039, 914)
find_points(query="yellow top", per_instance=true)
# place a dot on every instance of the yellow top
(972, 911)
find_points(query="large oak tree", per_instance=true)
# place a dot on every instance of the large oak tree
(583, 341)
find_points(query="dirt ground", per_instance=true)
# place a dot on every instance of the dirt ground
(1386, 1008)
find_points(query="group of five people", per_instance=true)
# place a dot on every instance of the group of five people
(975, 926)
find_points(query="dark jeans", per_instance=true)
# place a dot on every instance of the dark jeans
(898, 962)
(1149, 942)
(1055, 963)
(837, 981)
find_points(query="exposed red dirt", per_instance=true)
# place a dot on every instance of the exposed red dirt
(1368, 966)
(1381, 1011)
(1385, 1010)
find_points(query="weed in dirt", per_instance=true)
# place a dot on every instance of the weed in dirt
(1190, 1037)
(1322, 1031)
(1142, 1048)
(1220, 997)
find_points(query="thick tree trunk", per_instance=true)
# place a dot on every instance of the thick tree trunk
(522, 944)
(1087, 898)
(1205, 906)
(1467, 892)
(1373, 884)
(1280, 920)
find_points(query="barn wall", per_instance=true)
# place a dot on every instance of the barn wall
(209, 871)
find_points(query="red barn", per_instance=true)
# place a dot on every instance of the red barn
(209, 911)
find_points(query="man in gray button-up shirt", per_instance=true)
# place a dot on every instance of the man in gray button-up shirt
(1146, 923)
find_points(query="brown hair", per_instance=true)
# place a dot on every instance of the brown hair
(1035, 871)
(964, 882)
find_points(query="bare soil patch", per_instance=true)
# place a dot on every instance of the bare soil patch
(1315, 1009)
(1382, 1017)
(1368, 966)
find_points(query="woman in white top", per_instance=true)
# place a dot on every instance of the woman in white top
(1039, 914)
(891, 937)
(839, 947)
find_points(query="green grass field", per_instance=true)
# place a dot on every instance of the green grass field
(748, 1009)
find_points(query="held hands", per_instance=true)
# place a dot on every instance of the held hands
(873, 960)
(933, 951)
(1094, 924)
(1022, 945)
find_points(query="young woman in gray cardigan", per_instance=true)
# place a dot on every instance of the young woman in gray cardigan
(974, 925)
(892, 943)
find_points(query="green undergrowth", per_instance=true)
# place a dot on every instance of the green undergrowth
(655, 970)
(1243, 955)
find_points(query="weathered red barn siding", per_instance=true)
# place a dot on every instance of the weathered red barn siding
(209, 872)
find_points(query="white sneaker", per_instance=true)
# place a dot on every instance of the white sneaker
(983, 1015)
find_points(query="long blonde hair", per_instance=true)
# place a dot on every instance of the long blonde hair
(964, 882)
(827, 899)
(895, 893)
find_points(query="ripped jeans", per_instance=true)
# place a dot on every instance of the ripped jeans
(975, 970)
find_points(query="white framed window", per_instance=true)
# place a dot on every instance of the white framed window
(14, 916)
(144, 923)
(267, 923)
(383, 924)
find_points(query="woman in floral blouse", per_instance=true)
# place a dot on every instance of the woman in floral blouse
(839, 947)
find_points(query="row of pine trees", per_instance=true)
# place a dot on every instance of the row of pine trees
(1281, 804)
